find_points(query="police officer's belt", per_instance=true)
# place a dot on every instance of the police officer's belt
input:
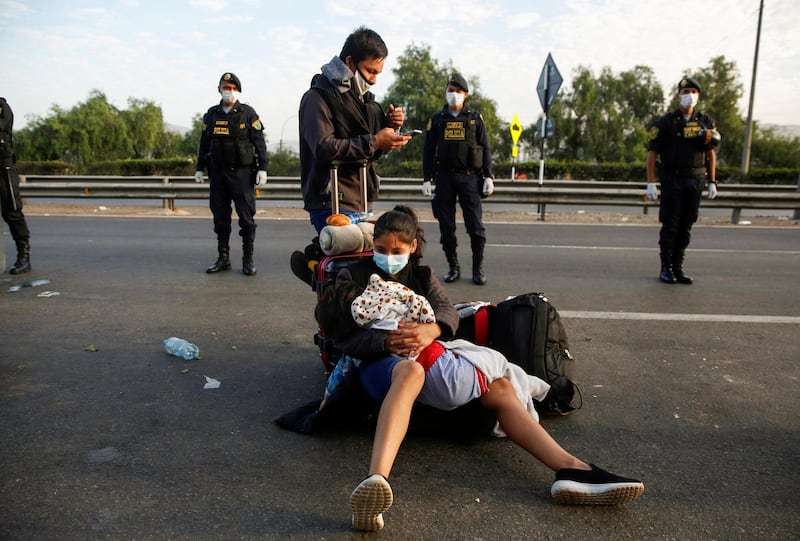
(465, 171)
(685, 171)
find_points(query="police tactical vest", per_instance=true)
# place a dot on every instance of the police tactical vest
(685, 151)
(229, 143)
(457, 146)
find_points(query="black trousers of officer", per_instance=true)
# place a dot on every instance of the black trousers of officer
(680, 205)
(463, 187)
(237, 185)
(11, 203)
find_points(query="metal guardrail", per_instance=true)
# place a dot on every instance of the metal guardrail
(551, 192)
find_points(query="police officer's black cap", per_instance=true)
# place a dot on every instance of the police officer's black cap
(229, 77)
(688, 83)
(457, 80)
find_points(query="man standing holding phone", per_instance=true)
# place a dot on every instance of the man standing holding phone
(340, 121)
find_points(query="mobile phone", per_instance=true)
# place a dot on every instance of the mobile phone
(412, 133)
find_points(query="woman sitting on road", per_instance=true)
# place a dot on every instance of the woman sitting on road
(389, 376)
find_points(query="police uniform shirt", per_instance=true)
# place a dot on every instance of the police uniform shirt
(223, 134)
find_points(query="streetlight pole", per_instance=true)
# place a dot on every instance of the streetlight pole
(748, 129)
(280, 144)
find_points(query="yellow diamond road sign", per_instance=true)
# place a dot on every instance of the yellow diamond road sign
(516, 129)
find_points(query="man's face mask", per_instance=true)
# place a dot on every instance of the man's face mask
(454, 99)
(689, 100)
(362, 86)
(230, 96)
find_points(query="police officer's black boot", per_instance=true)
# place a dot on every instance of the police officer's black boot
(666, 275)
(23, 263)
(677, 268)
(455, 271)
(477, 269)
(248, 268)
(223, 261)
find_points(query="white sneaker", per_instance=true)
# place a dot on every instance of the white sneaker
(370, 499)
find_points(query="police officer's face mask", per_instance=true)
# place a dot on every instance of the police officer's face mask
(454, 99)
(230, 96)
(689, 100)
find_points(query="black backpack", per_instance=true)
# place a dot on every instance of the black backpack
(528, 331)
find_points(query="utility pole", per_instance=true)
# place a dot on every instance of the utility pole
(748, 128)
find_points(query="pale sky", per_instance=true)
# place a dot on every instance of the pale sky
(173, 52)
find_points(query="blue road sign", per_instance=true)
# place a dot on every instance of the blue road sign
(549, 82)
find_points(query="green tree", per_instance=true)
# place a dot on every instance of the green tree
(43, 138)
(602, 119)
(145, 125)
(191, 139)
(170, 145)
(97, 132)
(91, 131)
(284, 163)
(769, 149)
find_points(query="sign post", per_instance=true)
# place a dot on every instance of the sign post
(516, 131)
(549, 83)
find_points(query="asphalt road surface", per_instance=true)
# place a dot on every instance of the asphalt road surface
(693, 389)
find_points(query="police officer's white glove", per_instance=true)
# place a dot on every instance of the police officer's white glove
(488, 186)
(652, 191)
(198, 177)
(426, 188)
(712, 190)
(261, 178)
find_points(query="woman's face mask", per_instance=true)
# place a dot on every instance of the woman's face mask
(391, 253)
(390, 264)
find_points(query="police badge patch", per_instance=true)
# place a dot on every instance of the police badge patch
(653, 132)
(257, 124)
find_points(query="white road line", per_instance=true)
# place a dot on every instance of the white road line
(642, 316)
(634, 248)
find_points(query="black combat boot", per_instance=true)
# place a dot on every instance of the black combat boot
(223, 261)
(455, 271)
(666, 275)
(477, 269)
(677, 268)
(23, 263)
(248, 268)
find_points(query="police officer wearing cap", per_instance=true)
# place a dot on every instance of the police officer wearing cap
(685, 141)
(10, 200)
(458, 160)
(233, 148)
